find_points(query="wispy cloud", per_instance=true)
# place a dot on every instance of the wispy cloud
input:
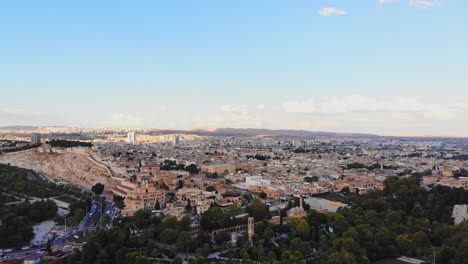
(424, 3)
(388, 1)
(331, 11)
(261, 106)
(415, 3)
(22, 116)
(399, 106)
(235, 109)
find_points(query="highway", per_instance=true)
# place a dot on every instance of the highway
(61, 241)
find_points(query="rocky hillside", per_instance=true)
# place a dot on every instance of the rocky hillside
(76, 168)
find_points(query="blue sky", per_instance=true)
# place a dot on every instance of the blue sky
(378, 66)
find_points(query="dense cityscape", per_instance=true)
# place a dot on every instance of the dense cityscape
(141, 196)
(234, 132)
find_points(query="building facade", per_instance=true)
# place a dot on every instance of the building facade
(131, 137)
(36, 138)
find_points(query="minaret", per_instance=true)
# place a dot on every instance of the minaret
(251, 228)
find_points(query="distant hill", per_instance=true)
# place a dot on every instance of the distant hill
(29, 128)
(234, 132)
(17, 128)
(283, 132)
(244, 132)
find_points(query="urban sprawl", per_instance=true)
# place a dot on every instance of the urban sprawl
(182, 175)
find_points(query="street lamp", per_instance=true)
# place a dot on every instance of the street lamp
(100, 211)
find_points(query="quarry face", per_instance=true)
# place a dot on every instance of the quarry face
(77, 168)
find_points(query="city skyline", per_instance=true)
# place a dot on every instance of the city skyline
(384, 67)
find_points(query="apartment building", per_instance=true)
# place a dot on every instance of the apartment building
(138, 196)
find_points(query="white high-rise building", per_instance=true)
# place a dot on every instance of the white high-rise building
(36, 138)
(460, 213)
(131, 137)
(175, 140)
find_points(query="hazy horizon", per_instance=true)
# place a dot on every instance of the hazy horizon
(382, 67)
(240, 130)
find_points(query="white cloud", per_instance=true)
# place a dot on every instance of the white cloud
(235, 109)
(330, 11)
(423, 3)
(415, 3)
(261, 106)
(23, 116)
(406, 108)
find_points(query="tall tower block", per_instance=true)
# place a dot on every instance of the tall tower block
(251, 228)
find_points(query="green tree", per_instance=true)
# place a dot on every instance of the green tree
(299, 227)
(141, 218)
(222, 237)
(404, 244)
(342, 257)
(76, 218)
(119, 201)
(180, 184)
(184, 241)
(177, 260)
(258, 210)
(210, 189)
(212, 219)
(192, 168)
(168, 236)
(185, 223)
(98, 188)
(201, 260)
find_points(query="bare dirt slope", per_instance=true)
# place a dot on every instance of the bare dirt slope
(73, 167)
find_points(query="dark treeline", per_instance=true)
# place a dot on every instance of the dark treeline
(172, 165)
(357, 165)
(25, 147)
(460, 173)
(401, 220)
(17, 220)
(258, 157)
(68, 143)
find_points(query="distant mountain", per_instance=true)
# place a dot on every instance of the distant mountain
(243, 132)
(283, 132)
(17, 128)
(26, 128)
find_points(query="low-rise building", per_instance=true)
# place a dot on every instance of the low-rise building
(460, 213)
(138, 196)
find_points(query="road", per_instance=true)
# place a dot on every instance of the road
(61, 241)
